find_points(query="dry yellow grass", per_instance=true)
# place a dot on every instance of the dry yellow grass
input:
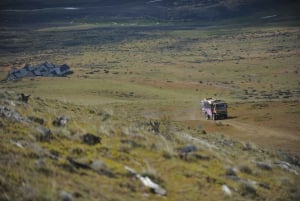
(122, 81)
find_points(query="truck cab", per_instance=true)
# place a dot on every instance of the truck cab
(214, 109)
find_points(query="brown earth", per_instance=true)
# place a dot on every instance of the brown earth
(269, 125)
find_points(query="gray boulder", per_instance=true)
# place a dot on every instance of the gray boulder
(12, 115)
(45, 69)
(43, 134)
(264, 166)
(60, 121)
(91, 139)
(65, 196)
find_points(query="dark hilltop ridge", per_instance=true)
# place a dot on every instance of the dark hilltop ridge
(45, 69)
(17, 11)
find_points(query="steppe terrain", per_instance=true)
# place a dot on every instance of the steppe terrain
(255, 69)
(131, 73)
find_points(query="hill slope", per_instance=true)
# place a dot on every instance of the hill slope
(87, 157)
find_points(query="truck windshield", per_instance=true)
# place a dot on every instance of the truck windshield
(221, 106)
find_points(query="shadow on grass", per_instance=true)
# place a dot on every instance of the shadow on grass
(232, 117)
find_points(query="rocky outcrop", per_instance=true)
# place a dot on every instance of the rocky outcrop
(45, 69)
(155, 188)
(60, 121)
(91, 139)
(8, 113)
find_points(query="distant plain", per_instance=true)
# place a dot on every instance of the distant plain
(171, 65)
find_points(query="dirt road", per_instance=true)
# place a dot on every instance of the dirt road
(279, 132)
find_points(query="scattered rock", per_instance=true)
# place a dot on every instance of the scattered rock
(248, 147)
(202, 157)
(60, 121)
(37, 150)
(18, 144)
(36, 120)
(65, 196)
(78, 164)
(77, 151)
(28, 192)
(247, 189)
(40, 163)
(154, 126)
(226, 142)
(131, 143)
(44, 134)
(24, 98)
(245, 169)
(77, 195)
(210, 180)
(129, 185)
(226, 190)
(53, 154)
(188, 149)
(264, 166)
(184, 151)
(42, 167)
(234, 178)
(101, 168)
(287, 166)
(231, 172)
(264, 185)
(12, 115)
(98, 165)
(91, 139)
(155, 188)
(291, 159)
(105, 116)
(45, 69)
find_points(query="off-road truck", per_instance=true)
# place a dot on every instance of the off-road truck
(214, 109)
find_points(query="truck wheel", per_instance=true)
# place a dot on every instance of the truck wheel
(206, 116)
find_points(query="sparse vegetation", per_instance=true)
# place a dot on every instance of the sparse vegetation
(64, 154)
(133, 102)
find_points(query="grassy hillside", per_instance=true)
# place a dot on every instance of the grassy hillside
(126, 76)
(132, 103)
(36, 162)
